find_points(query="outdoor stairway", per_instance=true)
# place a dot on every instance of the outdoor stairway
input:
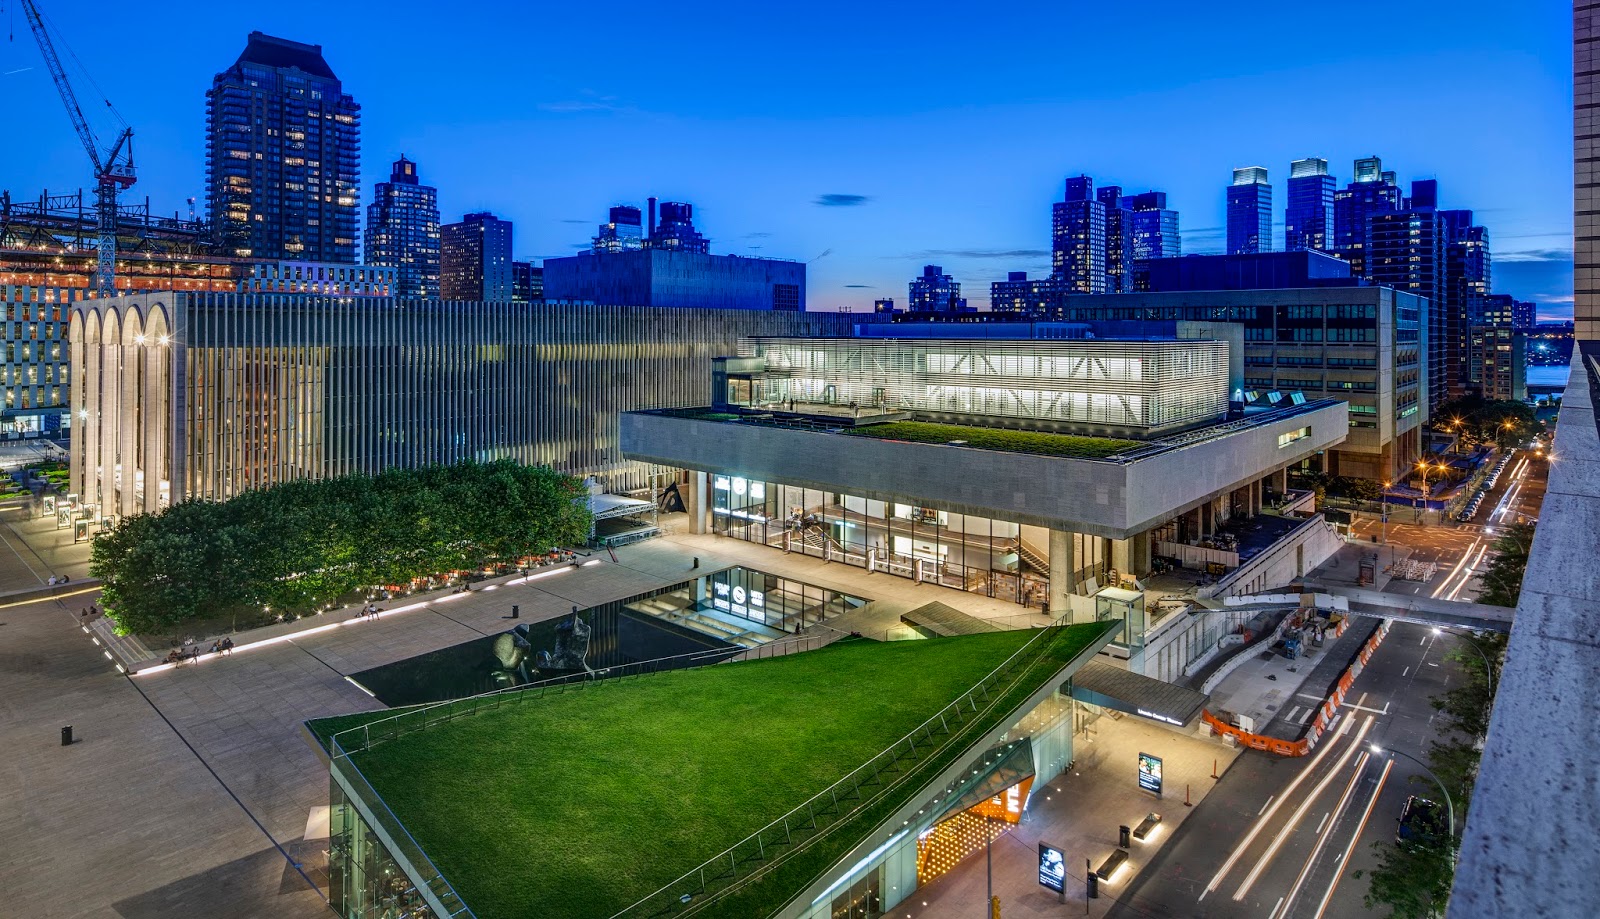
(1031, 557)
(127, 650)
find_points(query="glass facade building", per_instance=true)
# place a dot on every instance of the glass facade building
(1373, 192)
(1366, 345)
(403, 232)
(1155, 226)
(1134, 387)
(283, 155)
(1119, 240)
(205, 395)
(1249, 211)
(1308, 220)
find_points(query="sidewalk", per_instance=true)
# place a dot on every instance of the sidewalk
(1079, 812)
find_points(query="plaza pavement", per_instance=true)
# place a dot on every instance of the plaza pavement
(193, 790)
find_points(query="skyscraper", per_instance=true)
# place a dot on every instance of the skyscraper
(1308, 222)
(1464, 288)
(403, 232)
(1155, 226)
(1372, 192)
(1249, 211)
(1078, 238)
(1119, 240)
(283, 155)
(935, 292)
(476, 259)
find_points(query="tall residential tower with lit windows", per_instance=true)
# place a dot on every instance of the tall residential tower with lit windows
(283, 155)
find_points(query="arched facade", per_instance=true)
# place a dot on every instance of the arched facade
(121, 405)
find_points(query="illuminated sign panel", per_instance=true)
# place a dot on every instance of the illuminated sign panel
(1052, 868)
(1150, 773)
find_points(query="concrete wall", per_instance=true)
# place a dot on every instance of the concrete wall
(1289, 558)
(1116, 500)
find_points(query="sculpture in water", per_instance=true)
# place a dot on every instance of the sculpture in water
(572, 647)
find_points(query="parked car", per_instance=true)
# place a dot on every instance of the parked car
(1422, 822)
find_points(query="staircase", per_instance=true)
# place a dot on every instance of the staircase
(1032, 557)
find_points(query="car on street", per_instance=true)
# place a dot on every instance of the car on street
(1422, 822)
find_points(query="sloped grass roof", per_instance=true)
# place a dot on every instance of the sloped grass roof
(578, 804)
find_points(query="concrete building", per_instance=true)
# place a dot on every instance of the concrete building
(403, 232)
(1254, 271)
(1078, 238)
(792, 455)
(283, 155)
(475, 259)
(203, 395)
(677, 278)
(1497, 362)
(934, 291)
(1364, 345)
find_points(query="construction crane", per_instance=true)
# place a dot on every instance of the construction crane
(113, 170)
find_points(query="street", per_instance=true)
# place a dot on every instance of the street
(1460, 549)
(1279, 837)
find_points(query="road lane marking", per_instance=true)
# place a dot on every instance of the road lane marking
(1322, 821)
(1322, 838)
(1266, 813)
(1405, 671)
(1274, 913)
(1343, 859)
(1278, 840)
(1307, 716)
(1291, 715)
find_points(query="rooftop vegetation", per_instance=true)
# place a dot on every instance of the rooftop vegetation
(1043, 444)
(579, 804)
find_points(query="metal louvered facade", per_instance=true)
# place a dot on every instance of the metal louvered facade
(211, 394)
(1133, 387)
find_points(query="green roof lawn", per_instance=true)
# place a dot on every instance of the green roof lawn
(1071, 445)
(580, 803)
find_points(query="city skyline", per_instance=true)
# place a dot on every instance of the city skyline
(838, 180)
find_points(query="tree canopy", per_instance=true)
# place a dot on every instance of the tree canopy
(296, 547)
(1483, 420)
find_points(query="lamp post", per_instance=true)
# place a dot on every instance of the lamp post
(1383, 517)
(1449, 805)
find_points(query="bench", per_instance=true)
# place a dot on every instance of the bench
(1146, 827)
(1111, 864)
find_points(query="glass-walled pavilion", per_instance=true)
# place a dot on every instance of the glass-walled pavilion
(1133, 387)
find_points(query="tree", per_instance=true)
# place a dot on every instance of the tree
(299, 547)
(1412, 879)
(1502, 580)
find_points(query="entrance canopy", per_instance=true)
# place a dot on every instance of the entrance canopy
(1113, 687)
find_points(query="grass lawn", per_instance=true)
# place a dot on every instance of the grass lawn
(923, 432)
(578, 804)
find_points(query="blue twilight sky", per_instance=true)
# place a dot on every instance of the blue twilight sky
(939, 132)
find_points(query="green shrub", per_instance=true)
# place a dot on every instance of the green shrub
(298, 546)
(1071, 445)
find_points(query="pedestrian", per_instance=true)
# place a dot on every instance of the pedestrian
(227, 646)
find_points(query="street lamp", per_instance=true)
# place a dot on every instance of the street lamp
(1449, 805)
(1383, 517)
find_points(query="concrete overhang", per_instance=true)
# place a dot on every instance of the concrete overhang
(1115, 498)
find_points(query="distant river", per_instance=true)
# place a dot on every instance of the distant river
(1548, 376)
